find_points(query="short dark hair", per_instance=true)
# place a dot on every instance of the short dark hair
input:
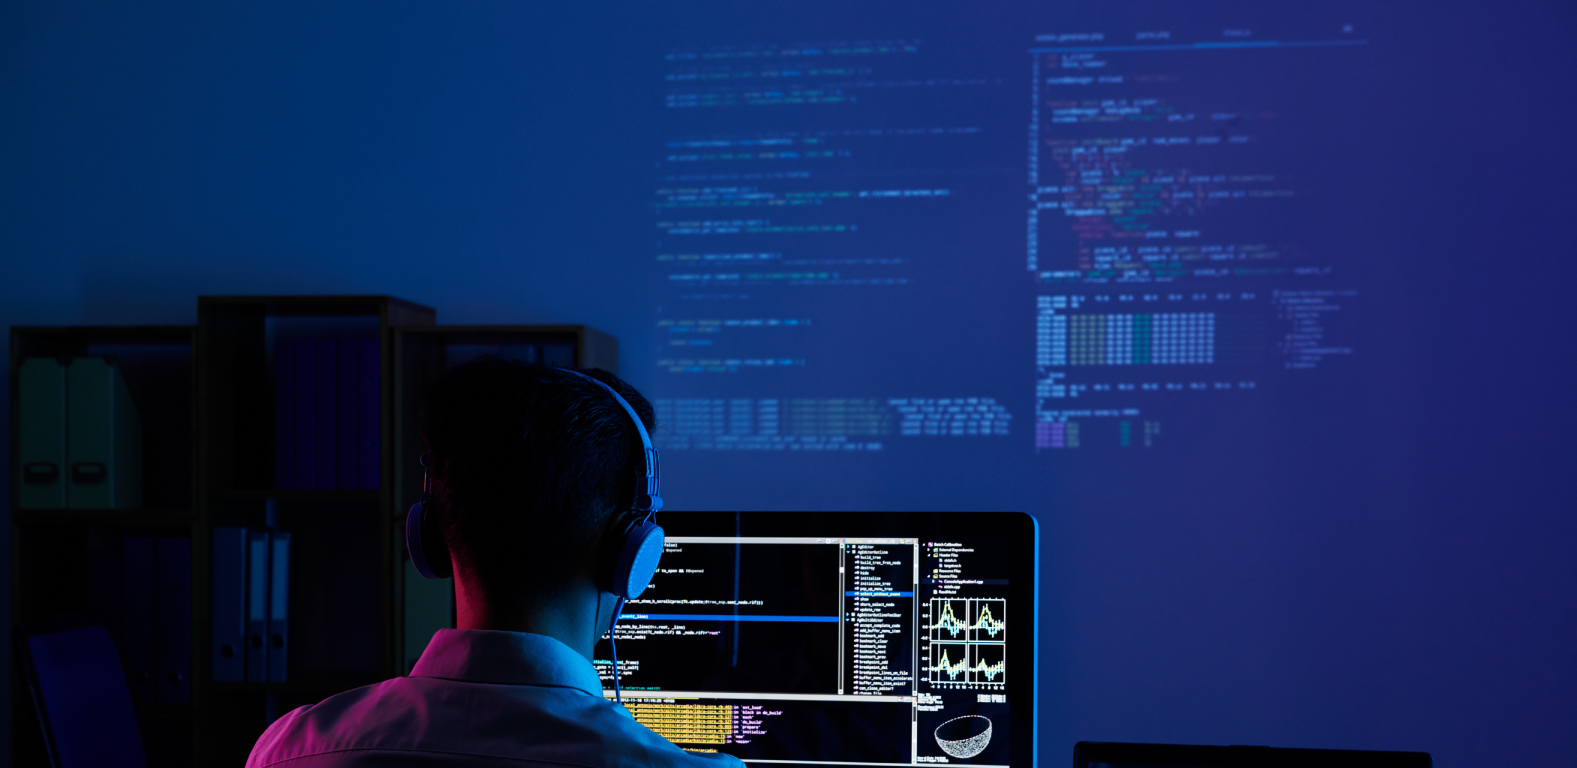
(528, 463)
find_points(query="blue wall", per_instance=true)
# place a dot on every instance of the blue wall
(475, 157)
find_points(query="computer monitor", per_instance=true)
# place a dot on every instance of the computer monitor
(838, 638)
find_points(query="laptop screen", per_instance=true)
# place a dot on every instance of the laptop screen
(837, 638)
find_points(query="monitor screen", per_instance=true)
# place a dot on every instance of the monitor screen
(836, 638)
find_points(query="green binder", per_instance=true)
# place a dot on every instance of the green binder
(41, 432)
(103, 438)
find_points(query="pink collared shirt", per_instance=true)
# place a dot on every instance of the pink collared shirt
(475, 698)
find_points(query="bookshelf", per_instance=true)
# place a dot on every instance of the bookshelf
(58, 555)
(206, 395)
(342, 601)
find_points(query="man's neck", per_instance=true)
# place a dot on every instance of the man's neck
(573, 617)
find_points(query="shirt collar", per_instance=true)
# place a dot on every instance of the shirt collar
(506, 658)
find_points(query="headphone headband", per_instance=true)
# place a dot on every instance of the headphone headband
(635, 559)
(647, 501)
(634, 556)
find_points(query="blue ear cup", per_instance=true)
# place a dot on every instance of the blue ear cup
(639, 553)
(413, 541)
(418, 540)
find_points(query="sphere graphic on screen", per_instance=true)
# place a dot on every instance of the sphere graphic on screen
(964, 737)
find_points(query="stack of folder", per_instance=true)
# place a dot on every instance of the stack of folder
(79, 438)
(251, 604)
(156, 618)
(326, 410)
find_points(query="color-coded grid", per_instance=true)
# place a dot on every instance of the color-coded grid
(1057, 434)
(1174, 338)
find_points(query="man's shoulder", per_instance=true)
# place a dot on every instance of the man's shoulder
(328, 726)
(451, 722)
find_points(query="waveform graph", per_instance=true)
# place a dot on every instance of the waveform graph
(949, 619)
(988, 621)
(949, 663)
(987, 663)
(967, 643)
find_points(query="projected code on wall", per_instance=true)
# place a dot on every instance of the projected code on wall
(1164, 230)
(785, 192)
(832, 221)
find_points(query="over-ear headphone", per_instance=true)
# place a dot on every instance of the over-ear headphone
(630, 564)
(421, 537)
